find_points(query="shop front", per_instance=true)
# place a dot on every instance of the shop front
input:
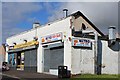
(23, 56)
(82, 56)
(53, 50)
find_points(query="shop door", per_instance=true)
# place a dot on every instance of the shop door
(53, 57)
(30, 63)
(46, 60)
(18, 61)
(22, 61)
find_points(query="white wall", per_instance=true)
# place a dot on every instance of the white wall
(83, 60)
(67, 53)
(109, 59)
(59, 26)
(6, 56)
(19, 38)
(40, 59)
(55, 27)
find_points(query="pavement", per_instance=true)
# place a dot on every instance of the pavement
(24, 75)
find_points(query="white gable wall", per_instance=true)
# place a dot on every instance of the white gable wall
(78, 24)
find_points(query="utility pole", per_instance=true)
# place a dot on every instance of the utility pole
(95, 52)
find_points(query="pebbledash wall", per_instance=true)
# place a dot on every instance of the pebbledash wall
(57, 44)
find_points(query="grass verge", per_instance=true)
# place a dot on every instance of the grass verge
(95, 77)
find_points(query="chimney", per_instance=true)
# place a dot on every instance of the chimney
(36, 24)
(112, 35)
(65, 12)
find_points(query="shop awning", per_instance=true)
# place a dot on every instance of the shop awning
(22, 49)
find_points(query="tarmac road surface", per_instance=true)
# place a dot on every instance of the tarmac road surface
(23, 75)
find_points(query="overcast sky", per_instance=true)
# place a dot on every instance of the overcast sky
(19, 16)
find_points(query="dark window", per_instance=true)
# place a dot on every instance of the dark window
(83, 26)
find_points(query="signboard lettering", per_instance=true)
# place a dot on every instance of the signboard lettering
(81, 42)
(26, 44)
(51, 38)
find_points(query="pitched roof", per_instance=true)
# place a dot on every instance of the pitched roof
(77, 14)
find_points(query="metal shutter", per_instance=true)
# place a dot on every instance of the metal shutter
(57, 57)
(30, 62)
(53, 57)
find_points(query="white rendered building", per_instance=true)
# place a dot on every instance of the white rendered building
(62, 42)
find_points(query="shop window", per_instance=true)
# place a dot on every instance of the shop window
(12, 59)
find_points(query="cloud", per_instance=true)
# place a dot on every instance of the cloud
(21, 0)
(57, 11)
(15, 12)
(90, 0)
(60, 0)
(102, 14)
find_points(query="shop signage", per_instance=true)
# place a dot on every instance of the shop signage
(51, 38)
(81, 43)
(31, 43)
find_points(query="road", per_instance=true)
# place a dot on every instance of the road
(8, 78)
